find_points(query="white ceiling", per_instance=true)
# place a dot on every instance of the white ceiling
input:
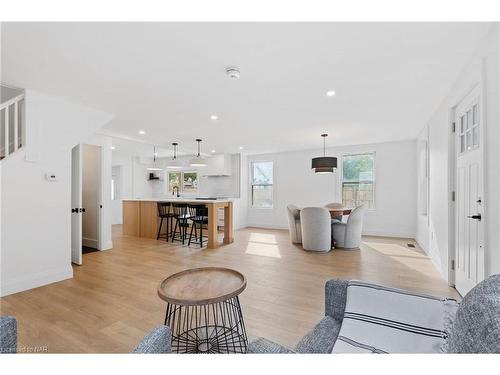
(168, 78)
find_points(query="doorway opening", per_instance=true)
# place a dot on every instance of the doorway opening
(86, 198)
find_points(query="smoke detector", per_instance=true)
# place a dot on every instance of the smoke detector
(233, 72)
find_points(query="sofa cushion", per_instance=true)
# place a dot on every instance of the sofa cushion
(378, 319)
(477, 325)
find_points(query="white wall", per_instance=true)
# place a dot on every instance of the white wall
(296, 183)
(125, 162)
(36, 214)
(434, 234)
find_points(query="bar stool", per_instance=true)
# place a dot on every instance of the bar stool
(199, 217)
(165, 212)
(181, 216)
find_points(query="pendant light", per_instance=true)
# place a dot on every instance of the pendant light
(154, 167)
(198, 161)
(324, 164)
(174, 163)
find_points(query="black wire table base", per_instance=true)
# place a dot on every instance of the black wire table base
(212, 328)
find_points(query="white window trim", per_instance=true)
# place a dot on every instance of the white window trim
(250, 184)
(374, 208)
(181, 187)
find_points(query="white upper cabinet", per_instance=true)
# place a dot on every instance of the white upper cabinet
(218, 165)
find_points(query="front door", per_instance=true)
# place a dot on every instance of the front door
(469, 226)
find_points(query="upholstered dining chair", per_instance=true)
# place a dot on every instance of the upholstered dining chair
(348, 235)
(294, 223)
(336, 206)
(316, 226)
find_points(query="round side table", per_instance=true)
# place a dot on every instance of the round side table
(203, 310)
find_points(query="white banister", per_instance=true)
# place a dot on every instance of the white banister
(11, 101)
(16, 126)
(11, 122)
(6, 147)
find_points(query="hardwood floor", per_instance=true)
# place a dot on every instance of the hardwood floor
(111, 302)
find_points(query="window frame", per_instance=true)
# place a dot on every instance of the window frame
(181, 184)
(251, 184)
(374, 182)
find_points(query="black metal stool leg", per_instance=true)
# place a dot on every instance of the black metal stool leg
(159, 229)
(191, 233)
(175, 229)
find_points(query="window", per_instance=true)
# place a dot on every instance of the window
(190, 182)
(358, 180)
(262, 184)
(186, 181)
(469, 129)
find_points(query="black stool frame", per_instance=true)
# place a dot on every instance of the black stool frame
(165, 212)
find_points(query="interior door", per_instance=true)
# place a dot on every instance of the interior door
(469, 226)
(76, 205)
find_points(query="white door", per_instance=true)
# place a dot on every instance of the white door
(469, 226)
(76, 205)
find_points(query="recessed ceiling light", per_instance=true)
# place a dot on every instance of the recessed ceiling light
(214, 117)
(213, 151)
(113, 147)
(142, 132)
(330, 93)
(241, 147)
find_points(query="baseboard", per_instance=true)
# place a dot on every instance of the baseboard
(107, 246)
(90, 242)
(264, 226)
(34, 281)
(376, 233)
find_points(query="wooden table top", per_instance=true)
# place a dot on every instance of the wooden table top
(344, 211)
(202, 286)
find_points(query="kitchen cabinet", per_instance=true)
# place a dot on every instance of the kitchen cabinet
(219, 165)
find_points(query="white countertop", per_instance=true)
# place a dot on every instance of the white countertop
(181, 200)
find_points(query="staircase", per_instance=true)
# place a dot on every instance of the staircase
(12, 130)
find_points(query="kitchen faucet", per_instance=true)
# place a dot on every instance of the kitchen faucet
(176, 189)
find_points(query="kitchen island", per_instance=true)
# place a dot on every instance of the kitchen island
(140, 217)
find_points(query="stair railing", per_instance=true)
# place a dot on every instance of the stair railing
(12, 119)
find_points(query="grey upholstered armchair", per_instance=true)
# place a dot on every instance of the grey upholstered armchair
(348, 235)
(316, 229)
(158, 341)
(294, 223)
(475, 327)
(8, 334)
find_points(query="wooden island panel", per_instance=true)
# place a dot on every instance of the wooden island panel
(140, 219)
(131, 218)
(149, 220)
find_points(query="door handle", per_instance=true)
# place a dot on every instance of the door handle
(475, 217)
(74, 210)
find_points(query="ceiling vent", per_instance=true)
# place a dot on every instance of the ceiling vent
(233, 72)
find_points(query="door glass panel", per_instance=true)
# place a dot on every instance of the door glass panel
(462, 143)
(469, 140)
(475, 136)
(469, 119)
(462, 120)
(474, 114)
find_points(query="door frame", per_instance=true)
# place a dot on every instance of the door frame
(480, 85)
(101, 192)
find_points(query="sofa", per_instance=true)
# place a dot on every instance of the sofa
(473, 326)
